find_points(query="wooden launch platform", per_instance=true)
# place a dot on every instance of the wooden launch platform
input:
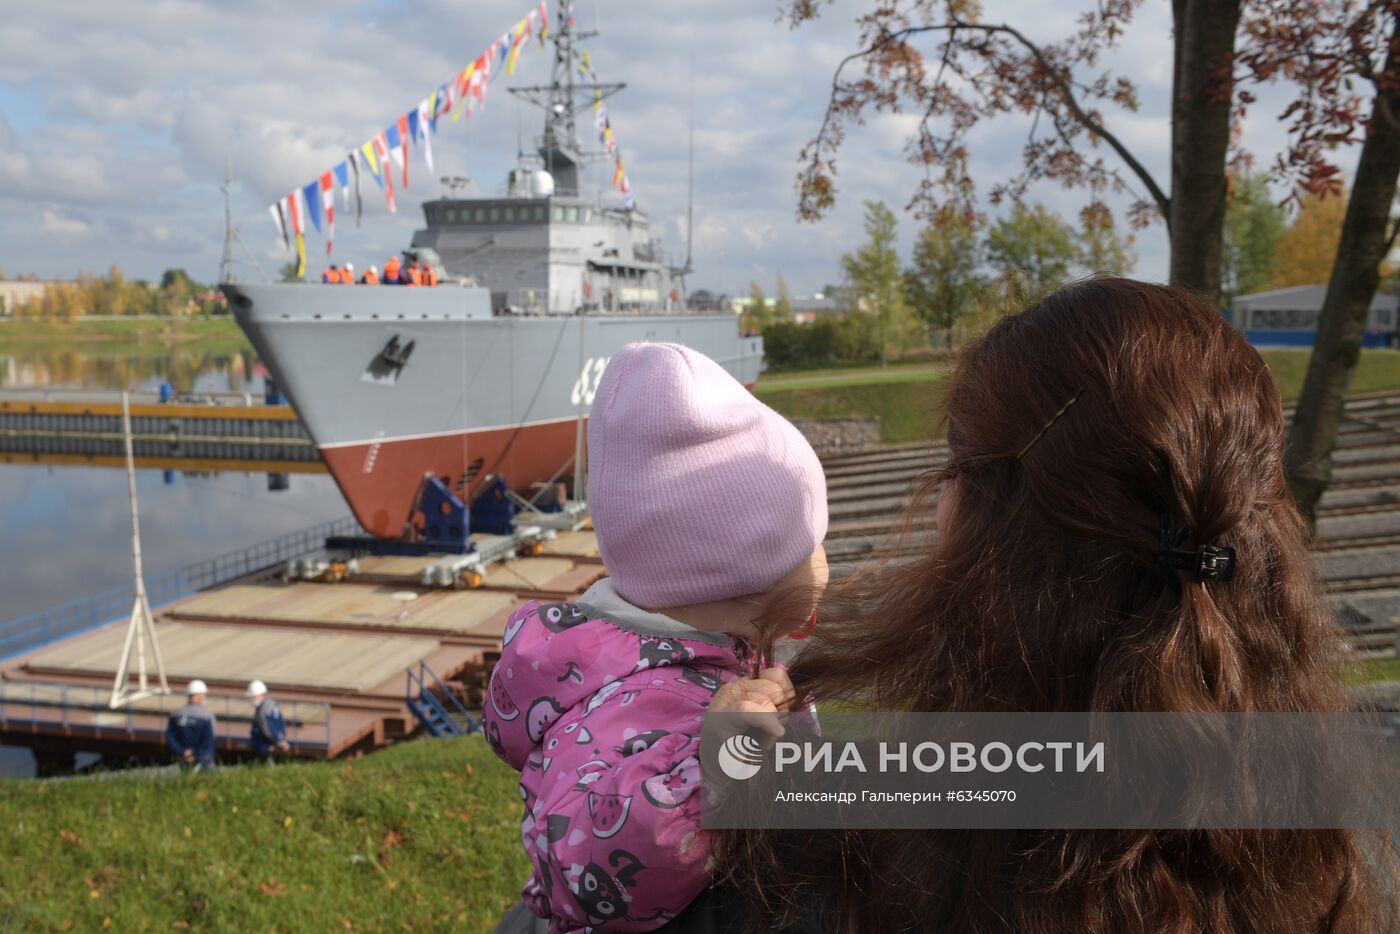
(333, 654)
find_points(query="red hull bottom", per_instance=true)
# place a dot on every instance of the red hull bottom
(381, 479)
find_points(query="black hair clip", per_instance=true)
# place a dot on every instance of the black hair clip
(1206, 563)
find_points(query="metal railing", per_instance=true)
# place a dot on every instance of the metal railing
(36, 629)
(56, 704)
(426, 680)
(245, 397)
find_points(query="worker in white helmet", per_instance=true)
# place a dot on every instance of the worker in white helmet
(191, 729)
(269, 727)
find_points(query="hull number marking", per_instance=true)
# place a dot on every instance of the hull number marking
(587, 385)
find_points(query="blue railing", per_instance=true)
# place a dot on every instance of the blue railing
(431, 712)
(66, 619)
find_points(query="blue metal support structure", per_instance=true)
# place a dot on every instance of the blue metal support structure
(438, 719)
(493, 510)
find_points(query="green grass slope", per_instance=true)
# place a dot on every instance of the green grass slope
(422, 836)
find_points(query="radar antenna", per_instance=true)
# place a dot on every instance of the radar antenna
(455, 183)
(561, 100)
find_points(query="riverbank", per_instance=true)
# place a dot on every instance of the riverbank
(907, 398)
(422, 836)
(29, 333)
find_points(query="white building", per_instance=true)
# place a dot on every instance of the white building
(1288, 317)
(14, 292)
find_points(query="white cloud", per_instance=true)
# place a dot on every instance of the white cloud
(63, 227)
(757, 235)
(133, 109)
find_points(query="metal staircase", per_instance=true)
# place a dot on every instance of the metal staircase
(424, 694)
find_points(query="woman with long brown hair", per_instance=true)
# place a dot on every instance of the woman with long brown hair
(1074, 428)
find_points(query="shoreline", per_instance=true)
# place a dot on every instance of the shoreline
(155, 331)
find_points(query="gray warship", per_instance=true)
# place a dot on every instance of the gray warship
(490, 374)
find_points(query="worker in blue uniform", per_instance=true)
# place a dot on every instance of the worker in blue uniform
(269, 726)
(190, 732)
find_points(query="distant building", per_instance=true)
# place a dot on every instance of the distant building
(744, 302)
(808, 308)
(15, 292)
(1288, 317)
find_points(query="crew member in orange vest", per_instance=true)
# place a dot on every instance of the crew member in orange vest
(330, 276)
(391, 271)
(414, 275)
(430, 276)
(371, 277)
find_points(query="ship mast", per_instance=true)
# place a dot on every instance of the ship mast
(226, 273)
(227, 264)
(561, 100)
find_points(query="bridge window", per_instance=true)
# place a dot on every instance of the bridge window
(495, 215)
(510, 215)
(559, 213)
(538, 214)
(573, 215)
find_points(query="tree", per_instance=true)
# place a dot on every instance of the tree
(177, 292)
(943, 283)
(1253, 224)
(938, 60)
(876, 280)
(757, 315)
(1033, 246)
(1102, 251)
(979, 70)
(1305, 250)
(1331, 47)
(782, 307)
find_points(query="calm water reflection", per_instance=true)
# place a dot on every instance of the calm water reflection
(65, 531)
(220, 366)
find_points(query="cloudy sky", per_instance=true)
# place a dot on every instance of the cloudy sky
(116, 120)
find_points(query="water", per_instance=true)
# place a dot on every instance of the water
(202, 366)
(65, 531)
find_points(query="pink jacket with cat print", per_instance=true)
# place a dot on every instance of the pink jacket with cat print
(598, 704)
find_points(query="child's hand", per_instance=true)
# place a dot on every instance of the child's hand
(769, 694)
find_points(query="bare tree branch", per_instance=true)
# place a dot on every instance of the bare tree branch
(1061, 83)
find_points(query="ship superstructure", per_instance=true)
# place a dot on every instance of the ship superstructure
(493, 372)
(543, 251)
(545, 246)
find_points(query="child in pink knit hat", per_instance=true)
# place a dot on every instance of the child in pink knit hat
(710, 510)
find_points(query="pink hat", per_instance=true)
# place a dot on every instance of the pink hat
(698, 491)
